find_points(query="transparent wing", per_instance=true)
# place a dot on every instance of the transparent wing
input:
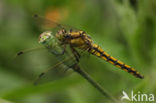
(48, 25)
(46, 22)
(62, 68)
(60, 65)
(53, 73)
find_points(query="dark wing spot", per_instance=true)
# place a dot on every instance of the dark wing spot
(35, 16)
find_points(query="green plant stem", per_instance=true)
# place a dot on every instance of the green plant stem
(94, 83)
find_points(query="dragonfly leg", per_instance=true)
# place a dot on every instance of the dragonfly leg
(61, 53)
(64, 49)
(75, 53)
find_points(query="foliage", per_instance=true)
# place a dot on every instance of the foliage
(125, 29)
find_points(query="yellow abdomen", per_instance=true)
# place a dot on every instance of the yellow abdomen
(97, 51)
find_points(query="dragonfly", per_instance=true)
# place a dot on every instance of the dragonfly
(62, 41)
(78, 39)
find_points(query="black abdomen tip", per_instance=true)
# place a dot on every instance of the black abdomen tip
(140, 76)
(19, 53)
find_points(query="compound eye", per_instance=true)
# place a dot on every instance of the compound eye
(40, 37)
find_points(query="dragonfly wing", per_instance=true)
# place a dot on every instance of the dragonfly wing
(59, 70)
(52, 74)
(46, 24)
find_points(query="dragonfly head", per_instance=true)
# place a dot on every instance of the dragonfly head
(45, 37)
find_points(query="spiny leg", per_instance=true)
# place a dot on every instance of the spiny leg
(75, 53)
(64, 48)
(62, 53)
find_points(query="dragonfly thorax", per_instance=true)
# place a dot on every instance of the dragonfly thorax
(60, 34)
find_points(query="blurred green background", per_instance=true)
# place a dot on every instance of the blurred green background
(126, 29)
